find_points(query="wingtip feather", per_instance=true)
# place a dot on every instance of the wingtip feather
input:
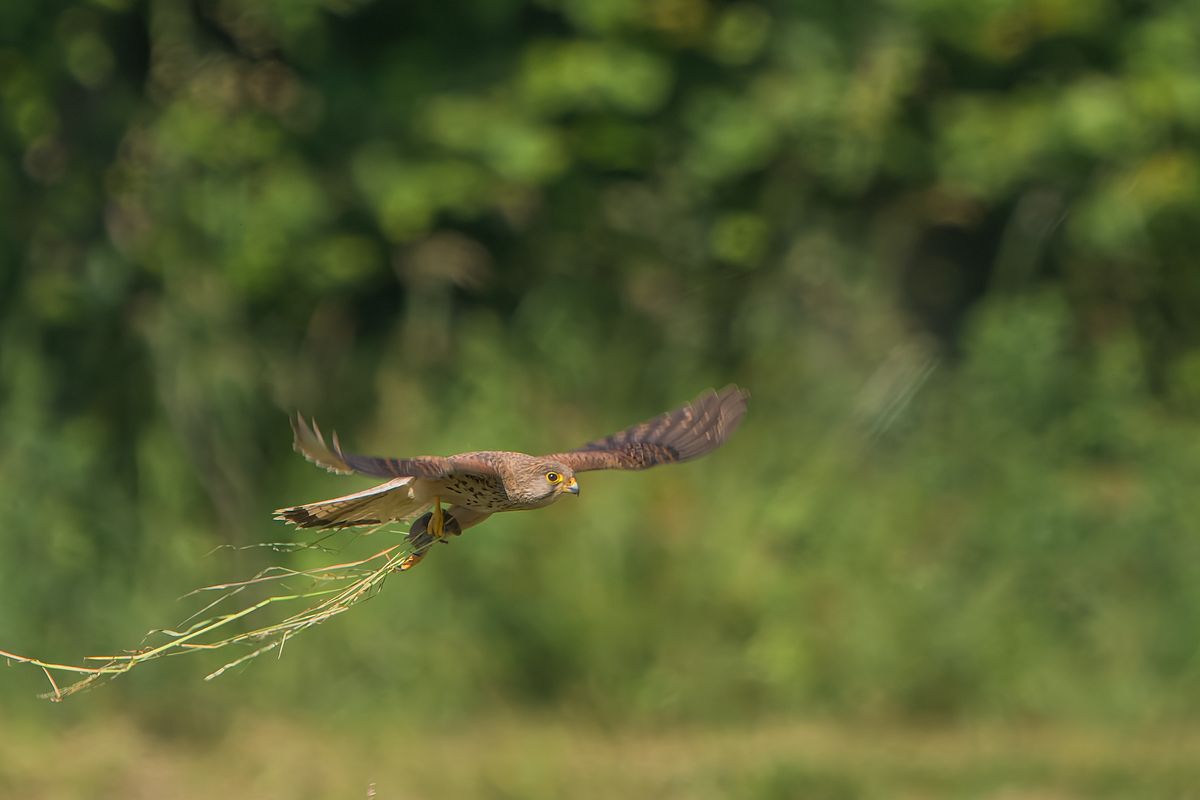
(308, 441)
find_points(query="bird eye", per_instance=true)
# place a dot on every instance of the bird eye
(553, 477)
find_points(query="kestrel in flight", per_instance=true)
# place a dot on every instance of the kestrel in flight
(478, 484)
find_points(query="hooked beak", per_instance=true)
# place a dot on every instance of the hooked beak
(572, 486)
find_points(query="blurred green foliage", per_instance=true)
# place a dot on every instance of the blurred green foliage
(951, 248)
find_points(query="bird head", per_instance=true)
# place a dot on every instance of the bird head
(552, 478)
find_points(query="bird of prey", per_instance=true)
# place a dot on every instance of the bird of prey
(478, 484)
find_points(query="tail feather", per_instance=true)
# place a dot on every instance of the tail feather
(383, 503)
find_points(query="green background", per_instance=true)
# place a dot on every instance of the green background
(951, 249)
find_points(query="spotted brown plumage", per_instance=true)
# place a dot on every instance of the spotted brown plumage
(688, 432)
(478, 484)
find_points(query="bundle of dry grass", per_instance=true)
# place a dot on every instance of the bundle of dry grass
(330, 591)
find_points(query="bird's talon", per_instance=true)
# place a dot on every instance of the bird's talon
(411, 561)
(421, 534)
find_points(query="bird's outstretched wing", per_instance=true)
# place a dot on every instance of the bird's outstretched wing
(688, 432)
(310, 443)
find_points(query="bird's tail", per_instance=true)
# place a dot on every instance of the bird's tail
(386, 502)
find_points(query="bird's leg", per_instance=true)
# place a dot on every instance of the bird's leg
(437, 526)
(432, 526)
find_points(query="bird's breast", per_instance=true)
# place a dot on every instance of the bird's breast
(478, 492)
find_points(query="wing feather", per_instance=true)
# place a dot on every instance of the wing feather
(386, 502)
(309, 442)
(688, 432)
